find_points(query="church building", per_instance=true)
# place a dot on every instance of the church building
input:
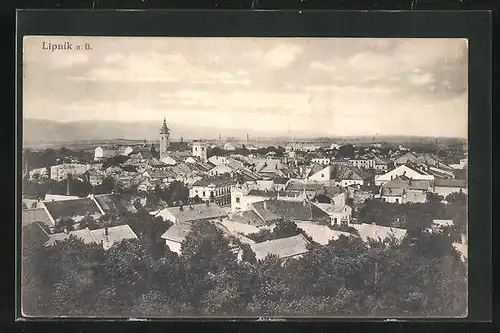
(164, 139)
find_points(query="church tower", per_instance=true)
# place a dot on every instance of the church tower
(164, 139)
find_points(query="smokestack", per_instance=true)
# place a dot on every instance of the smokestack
(68, 192)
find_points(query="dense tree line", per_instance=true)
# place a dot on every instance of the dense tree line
(416, 215)
(143, 278)
(243, 150)
(49, 157)
(77, 187)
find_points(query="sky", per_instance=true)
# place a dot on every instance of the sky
(318, 86)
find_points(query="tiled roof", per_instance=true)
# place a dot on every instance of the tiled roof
(321, 234)
(228, 233)
(250, 217)
(316, 168)
(249, 175)
(283, 248)
(408, 157)
(450, 183)
(271, 210)
(392, 191)
(71, 208)
(300, 186)
(282, 181)
(381, 160)
(273, 194)
(196, 212)
(32, 234)
(351, 173)
(403, 182)
(115, 234)
(217, 181)
(30, 216)
(177, 232)
(234, 226)
(112, 204)
(84, 234)
(377, 232)
(331, 191)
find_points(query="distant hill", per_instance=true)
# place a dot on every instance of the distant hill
(40, 132)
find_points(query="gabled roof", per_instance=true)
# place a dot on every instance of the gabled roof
(281, 181)
(408, 157)
(315, 169)
(235, 226)
(450, 183)
(405, 183)
(273, 194)
(351, 173)
(321, 234)
(191, 213)
(377, 232)
(294, 185)
(177, 232)
(83, 234)
(331, 191)
(30, 216)
(273, 209)
(217, 181)
(112, 204)
(115, 234)
(250, 217)
(381, 160)
(32, 234)
(71, 208)
(283, 247)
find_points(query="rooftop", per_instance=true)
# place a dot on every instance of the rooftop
(115, 234)
(83, 234)
(216, 181)
(112, 204)
(377, 232)
(177, 232)
(283, 248)
(194, 212)
(321, 234)
(450, 183)
(71, 208)
(30, 216)
(274, 209)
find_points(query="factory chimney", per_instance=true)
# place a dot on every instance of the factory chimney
(68, 178)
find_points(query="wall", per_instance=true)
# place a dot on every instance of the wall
(385, 178)
(173, 246)
(415, 196)
(445, 191)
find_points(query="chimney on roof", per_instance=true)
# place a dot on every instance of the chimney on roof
(265, 204)
(106, 232)
(208, 203)
(181, 208)
(66, 230)
(374, 223)
(304, 202)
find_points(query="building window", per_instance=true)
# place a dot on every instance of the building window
(322, 175)
(397, 200)
(237, 200)
(203, 193)
(335, 221)
(195, 148)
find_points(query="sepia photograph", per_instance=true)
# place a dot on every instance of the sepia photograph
(244, 177)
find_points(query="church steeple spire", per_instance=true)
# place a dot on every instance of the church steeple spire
(164, 139)
(164, 129)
